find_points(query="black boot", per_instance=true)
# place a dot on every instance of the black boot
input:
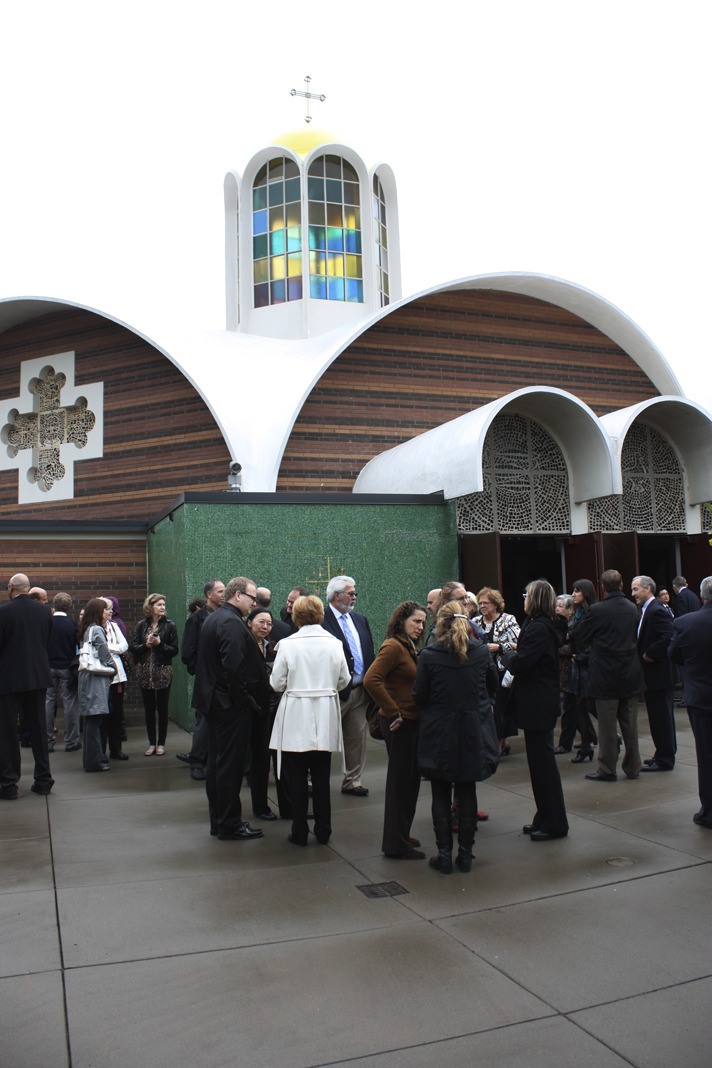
(465, 841)
(443, 839)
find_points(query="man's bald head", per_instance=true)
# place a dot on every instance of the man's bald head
(18, 584)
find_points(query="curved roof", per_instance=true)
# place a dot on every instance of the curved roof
(686, 424)
(449, 457)
(225, 365)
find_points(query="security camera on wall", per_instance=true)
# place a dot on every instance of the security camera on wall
(234, 478)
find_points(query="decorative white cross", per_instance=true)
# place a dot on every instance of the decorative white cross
(42, 443)
(309, 96)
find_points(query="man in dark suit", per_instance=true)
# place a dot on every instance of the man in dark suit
(25, 626)
(684, 600)
(654, 635)
(691, 646)
(615, 678)
(222, 695)
(354, 633)
(197, 758)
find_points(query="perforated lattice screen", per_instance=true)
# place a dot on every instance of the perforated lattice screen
(526, 483)
(652, 500)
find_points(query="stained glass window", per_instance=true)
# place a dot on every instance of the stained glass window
(277, 233)
(335, 260)
(381, 232)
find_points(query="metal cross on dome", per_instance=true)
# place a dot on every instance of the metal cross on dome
(308, 96)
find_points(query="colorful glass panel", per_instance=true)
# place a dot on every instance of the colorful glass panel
(276, 231)
(334, 224)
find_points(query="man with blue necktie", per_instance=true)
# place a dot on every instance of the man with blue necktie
(352, 629)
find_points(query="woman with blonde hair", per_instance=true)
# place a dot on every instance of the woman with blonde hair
(455, 685)
(154, 644)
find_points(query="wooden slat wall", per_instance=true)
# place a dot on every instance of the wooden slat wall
(159, 437)
(438, 358)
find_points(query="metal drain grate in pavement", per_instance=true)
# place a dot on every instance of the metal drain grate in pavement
(382, 889)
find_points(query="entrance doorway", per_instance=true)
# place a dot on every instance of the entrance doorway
(508, 562)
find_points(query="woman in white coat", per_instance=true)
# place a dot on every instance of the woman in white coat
(309, 670)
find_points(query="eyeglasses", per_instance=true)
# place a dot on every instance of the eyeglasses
(252, 596)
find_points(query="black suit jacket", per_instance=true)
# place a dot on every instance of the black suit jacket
(691, 646)
(685, 601)
(220, 675)
(332, 625)
(610, 628)
(653, 641)
(25, 626)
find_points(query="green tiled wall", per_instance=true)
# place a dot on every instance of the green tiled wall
(394, 552)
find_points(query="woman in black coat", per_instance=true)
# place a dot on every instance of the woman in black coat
(535, 666)
(455, 685)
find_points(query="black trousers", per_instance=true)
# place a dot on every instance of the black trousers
(156, 701)
(228, 742)
(112, 725)
(259, 765)
(30, 707)
(466, 793)
(661, 716)
(402, 785)
(198, 756)
(550, 813)
(296, 767)
(701, 723)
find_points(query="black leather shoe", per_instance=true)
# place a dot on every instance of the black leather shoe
(561, 749)
(8, 793)
(295, 841)
(597, 776)
(185, 757)
(544, 836)
(701, 822)
(268, 815)
(72, 748)
(119, 756)
(40, 789)
(197, 773)
(356, 791)
(242, 834)
(654, 766)
(528, 828)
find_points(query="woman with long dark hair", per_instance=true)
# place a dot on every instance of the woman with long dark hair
(455, 685)
(535, 695)
(258, 666)
(94, 688)
(584, 595)
(389, 681)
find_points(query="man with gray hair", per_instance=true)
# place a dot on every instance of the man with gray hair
(353, 631)
(691, 646)
(654, 635)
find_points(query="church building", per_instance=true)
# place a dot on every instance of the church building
(497, 427)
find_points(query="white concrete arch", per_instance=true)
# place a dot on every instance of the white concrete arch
(448, 459)
(687, 425)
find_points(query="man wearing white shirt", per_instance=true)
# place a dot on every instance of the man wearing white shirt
(352, 629)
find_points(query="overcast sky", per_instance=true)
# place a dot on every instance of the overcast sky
(565, 138)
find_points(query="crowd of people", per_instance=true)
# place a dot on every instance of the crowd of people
(451, 684)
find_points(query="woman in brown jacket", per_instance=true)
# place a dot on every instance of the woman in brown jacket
(389, 681)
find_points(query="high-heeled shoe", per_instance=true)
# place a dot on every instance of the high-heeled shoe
(582, 756)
